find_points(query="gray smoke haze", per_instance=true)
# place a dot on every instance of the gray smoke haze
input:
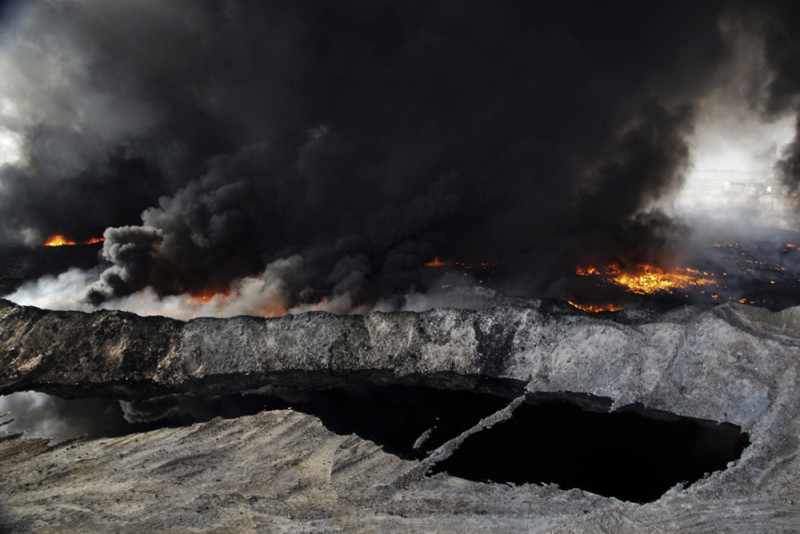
(779, 26)
(290, 152)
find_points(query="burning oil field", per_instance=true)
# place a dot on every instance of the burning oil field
(343, 221)
(354, 159)
(760, 273)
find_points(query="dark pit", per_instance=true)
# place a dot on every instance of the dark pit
(633, 454)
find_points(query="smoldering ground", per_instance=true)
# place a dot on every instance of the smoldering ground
(209, 140)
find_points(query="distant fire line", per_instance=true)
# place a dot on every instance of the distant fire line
(596, 308)
(59, 240)
(468, 265)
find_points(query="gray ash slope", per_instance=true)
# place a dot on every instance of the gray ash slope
(282, 471)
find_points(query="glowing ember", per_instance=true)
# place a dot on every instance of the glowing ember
(485, 265)
(649, 279)
(274, 310)
(206, 297)
(59, 240)
(646, 279)
(318, 306)
(586, 271)
(436, 263)
(596, 308)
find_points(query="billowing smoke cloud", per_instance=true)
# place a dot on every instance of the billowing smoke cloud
(314, 155)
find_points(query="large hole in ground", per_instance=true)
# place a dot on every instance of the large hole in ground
(634, 455)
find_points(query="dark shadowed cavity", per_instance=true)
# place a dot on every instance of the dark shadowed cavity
(633, 454)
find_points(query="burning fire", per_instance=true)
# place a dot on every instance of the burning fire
(59, 240)
(205, 297)
(761, 273)
(596, 308)
(436, 262)
(220, 303)
(645, 279)
(466, 265)
(458, 271)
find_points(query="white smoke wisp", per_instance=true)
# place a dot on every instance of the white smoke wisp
(470, 297)
(63, 292)
(264, 295)
(10, 146)
(341, 304)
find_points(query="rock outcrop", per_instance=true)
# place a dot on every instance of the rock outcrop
(282, 471)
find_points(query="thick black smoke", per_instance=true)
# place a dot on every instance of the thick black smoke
(361, 138)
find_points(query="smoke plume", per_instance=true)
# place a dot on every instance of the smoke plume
(315, 155)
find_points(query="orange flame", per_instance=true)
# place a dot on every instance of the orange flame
(59, 240)
(216, 298)
(436, 263)
(586, 271)
(645, 279)
(206, 296)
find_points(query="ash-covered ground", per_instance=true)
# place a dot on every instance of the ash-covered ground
(497, 407)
